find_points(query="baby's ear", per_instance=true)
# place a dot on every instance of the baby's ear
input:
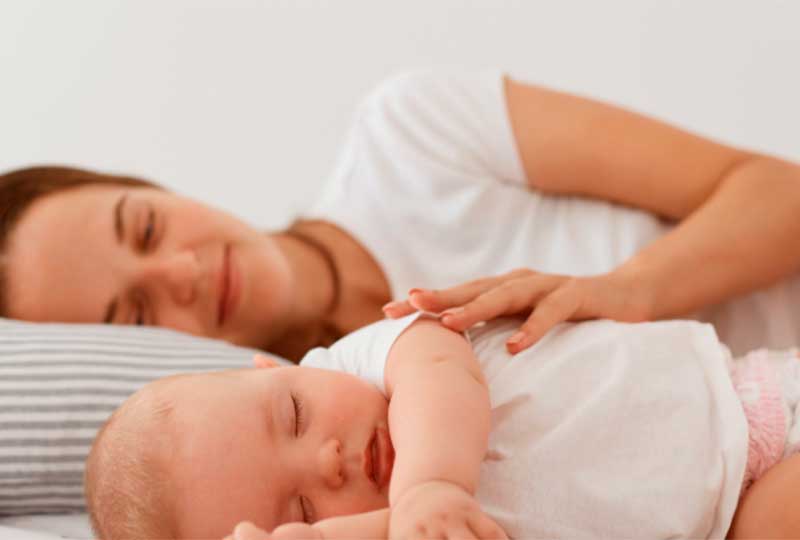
(264, 361)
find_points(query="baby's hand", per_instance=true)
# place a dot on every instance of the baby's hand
(261, 360)
(290, 531)
(441, 510)
(296, 531)
(247, 531)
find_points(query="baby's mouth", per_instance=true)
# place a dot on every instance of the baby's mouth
(379, 458)
(369, 459)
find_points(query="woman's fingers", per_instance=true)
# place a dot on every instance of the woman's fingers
(441, 299)
(398, 308)
(510, 297)
(438, 300)
(560, 305)
(548, 298)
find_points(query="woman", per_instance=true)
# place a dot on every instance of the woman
(441, 181)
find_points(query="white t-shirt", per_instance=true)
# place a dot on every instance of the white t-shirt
(430, 181)
(600, 430)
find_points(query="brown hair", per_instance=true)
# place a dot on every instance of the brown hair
(22, 187)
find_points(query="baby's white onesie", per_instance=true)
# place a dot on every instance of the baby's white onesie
(600, 430)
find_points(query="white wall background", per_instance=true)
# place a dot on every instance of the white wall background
(244, 103)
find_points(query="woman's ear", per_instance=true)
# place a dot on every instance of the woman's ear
(264, 361)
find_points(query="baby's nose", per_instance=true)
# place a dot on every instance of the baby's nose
(329, 463)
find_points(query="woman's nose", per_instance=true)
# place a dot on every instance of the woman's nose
(329, 462)
(178, 272)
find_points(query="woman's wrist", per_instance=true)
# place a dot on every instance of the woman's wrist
(641, 300)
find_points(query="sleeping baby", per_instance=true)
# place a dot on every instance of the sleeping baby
(405, 428)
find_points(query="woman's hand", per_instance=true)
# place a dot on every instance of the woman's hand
(441, 510)
(546, 300)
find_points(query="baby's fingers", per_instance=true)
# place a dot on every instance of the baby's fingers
(296, 531)
(459, 532)
(261, 360)
(485, 528)
(247, 531)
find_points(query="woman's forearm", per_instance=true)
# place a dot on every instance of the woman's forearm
(744, 237)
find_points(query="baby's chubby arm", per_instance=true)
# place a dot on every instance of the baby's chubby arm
(439, 410)
(439, 420)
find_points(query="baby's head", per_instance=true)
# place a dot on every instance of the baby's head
(192, 455)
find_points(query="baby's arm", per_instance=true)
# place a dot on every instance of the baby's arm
(438, 409)
(771, 506)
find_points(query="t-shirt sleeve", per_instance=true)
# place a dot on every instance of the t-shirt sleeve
(445, 121)
(425, 134)
(364, 352)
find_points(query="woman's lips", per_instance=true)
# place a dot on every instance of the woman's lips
(229, 287)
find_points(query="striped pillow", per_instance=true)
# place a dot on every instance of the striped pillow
(58, 385)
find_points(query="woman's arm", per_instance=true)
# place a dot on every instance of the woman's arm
(738, 209)
(738, 215)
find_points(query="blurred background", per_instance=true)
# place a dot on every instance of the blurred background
(244, 104)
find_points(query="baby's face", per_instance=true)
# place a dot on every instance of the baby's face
(277, 445)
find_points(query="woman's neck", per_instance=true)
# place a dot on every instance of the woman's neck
(338, 284)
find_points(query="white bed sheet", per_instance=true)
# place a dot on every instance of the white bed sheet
(46, 527)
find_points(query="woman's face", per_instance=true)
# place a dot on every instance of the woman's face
(144, 256)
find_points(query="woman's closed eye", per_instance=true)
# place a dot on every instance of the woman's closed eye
(146, 236)
(139, 313)
(299, 416)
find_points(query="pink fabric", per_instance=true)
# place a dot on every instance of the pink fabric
(759, 389)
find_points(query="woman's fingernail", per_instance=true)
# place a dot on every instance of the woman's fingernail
(415, 291)
(391, 305)
(516, 339)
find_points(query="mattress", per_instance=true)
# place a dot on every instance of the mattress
(46, 527)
